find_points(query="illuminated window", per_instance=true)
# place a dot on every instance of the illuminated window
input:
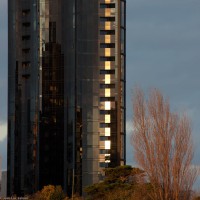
(107, 1)
(107, 52)
(107, 118)
(107, 65)
(107, 144)
(107, 25)
(107, 92)
(107, 158)
(107, 12)
(107, 78)
(107, 38)
(107, 131)
(107, 105)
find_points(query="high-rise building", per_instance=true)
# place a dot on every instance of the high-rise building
(66, 92)
(3, 181)
(0, 167)
(0, 173)
(3, 184)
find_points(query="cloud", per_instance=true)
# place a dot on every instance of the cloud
(3, 131)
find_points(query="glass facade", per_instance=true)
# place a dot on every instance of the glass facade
(66, 92)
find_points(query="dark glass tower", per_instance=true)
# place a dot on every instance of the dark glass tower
(66, 113)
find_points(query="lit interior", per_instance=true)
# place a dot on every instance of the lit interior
(107, 144)
(107, 118)
(107, 79)
(107, 64)
(107, 160)
(107, 39)
(107, 25)
(107, 105)
(107, 52)
(107, 12)
(107, 131)
(107, 92)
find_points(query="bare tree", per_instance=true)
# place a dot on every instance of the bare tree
(163, 146)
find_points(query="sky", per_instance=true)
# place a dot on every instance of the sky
(163, 51)
(3, 80)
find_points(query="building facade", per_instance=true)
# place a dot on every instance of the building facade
(66, 100)
(0, 174)
(3, 184)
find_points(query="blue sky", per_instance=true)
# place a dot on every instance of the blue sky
(163, 51)
(163, 45)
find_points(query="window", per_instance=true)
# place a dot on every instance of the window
(107, 19)
(107, 78)
(104, 125)
(107, 58)
(26, 24)
(26, 50)
(103, 71)
(107, 5)
(107, 92)
(107, 119)
(26, 37)
(107, 106)
(107, 131)
(107, 144)
(107, 38)
(104, 138)
(102, 164)
(107, 65)
(103, 112)
(107, 32)
(107, 45)
(104, 151)
(103, 86)
(26, 64)
(107, 158)
(107, 52)
(106, 99)
(25, 12)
